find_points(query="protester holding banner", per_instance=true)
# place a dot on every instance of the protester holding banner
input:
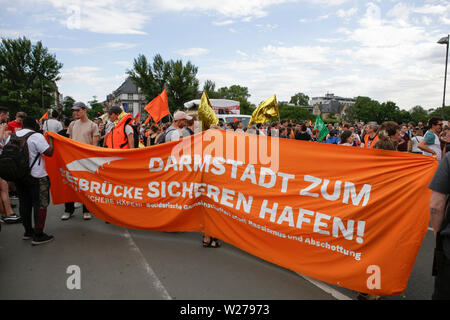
(85, 131)
(34, 195)
(440, 222)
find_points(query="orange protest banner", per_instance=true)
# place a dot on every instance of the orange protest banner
(330, 212)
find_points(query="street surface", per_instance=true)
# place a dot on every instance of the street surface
(118, 263)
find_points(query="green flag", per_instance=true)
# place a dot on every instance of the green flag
(323, 130)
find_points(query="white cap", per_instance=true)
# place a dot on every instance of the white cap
(180, 115)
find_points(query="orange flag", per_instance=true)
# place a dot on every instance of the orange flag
(45, 116)
(158, 108)
(137, 118)
(147, 120)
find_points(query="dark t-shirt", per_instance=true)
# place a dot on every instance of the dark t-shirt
(403, 146)
(302, 136)
(441, 182)
(64, 133)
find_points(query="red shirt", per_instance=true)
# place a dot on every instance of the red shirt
(14, 126)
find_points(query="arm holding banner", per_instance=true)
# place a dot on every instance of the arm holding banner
(437, 210)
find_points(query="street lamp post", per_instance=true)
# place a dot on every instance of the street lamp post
(444, 40)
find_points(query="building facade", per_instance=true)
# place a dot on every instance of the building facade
(331, 106)
(128, 97)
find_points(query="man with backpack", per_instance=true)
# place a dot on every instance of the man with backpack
(174, 132)
(22, 154)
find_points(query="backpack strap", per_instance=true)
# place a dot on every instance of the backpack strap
(26, 138)
(35, 159)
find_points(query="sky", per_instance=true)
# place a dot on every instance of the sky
(384, 49)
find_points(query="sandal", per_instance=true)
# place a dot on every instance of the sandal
(212, 243)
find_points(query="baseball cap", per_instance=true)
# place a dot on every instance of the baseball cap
(180, 115)
(115, 109)
(78, 106)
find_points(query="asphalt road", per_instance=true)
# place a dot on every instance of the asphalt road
(117, 263)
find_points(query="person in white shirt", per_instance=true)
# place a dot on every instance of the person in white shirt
(34, 195)
(53, 124)
(431, 145)
(415, 140)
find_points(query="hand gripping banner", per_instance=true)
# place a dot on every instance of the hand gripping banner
(351, 217)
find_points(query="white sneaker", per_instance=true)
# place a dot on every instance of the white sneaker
(87, 216)
(66, 216)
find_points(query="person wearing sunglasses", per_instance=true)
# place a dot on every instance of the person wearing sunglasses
(431, 145)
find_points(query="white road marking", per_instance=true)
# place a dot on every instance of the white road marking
(336, 294)
(154, 279)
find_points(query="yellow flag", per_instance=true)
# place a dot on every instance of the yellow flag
(206, 113)
(265, 111)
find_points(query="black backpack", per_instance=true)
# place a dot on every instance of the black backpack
(162, 137)
(14, 160)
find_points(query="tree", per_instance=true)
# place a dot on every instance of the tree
(182, 84)
(418, 114)
(67, 106)
(210, 88)
(238, 93)
(96, 108)
(300, 99)
(142, 76)
(179, 79)
(28, 75)
(438, 112)
(294, 113)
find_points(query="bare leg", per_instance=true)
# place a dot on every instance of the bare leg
(4, 195)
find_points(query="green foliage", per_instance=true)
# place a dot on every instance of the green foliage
(419, 114)
(330, 120)
(438, 113)
(294, 113)
(234, 92)
(366, 109)
(210, 88)
(182, 84)
(300, 99)
(179, 79)
(27, 76)
(96, 108)
(67, 106)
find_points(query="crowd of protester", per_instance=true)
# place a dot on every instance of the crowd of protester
(119, 130)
